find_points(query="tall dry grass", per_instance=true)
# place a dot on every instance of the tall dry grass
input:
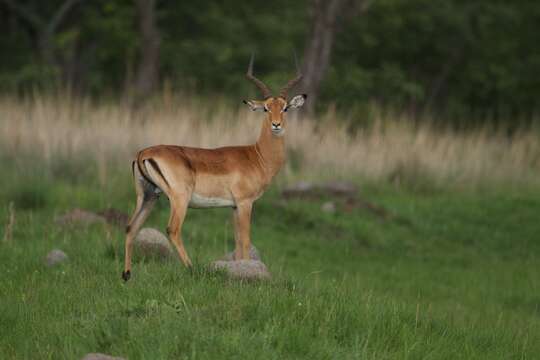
(389, 149)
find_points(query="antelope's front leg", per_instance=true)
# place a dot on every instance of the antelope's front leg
(242, 224)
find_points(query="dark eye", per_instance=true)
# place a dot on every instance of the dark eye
(265, 109)
(285, 110)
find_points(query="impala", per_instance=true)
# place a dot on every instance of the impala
(234, 176)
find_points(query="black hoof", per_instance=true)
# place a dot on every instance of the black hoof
(126, 275)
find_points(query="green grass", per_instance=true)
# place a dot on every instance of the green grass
(454, 275)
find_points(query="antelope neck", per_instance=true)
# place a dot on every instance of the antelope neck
(271, 149)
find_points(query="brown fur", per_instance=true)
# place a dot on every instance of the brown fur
(236, 173)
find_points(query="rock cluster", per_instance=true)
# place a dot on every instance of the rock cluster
(343, 197)
(304, 189)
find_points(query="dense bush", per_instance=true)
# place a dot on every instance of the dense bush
(466, 59)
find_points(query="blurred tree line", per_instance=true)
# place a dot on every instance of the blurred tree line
(455, 57)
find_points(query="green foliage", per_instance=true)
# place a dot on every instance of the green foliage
(463, 59)
(29, 195)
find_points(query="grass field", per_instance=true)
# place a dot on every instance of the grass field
(454, 274)
(457, 277)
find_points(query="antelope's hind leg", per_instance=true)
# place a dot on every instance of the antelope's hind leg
(146, 199)
(179, 197)
(179, 205)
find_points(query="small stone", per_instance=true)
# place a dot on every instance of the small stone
(55, 256)
(253, 254)
(329, 207)
(243, 269)
(150, 242)
(98, 356)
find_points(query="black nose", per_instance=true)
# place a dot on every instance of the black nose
(276, 125)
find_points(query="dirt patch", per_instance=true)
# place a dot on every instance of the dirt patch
(345, 197)
(114, 217)
(79, 217)
(83, 217)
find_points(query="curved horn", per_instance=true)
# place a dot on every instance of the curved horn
(264, 89)
(284, 90)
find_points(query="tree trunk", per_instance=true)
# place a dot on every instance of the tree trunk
(439, 83)
(318, 51)
(147, 70)
(46, 48)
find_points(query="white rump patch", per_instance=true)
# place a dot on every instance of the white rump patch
(198, 201)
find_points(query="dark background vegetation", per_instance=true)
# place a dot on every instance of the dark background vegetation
(457, 59)
(436, 256)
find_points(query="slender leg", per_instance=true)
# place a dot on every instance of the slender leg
(237, 243)
(242, 224)
(179, 206)
(133, 229)
(146, 198)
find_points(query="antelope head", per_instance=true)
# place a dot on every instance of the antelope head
(275, 106)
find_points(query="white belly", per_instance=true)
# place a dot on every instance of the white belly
(198, 201)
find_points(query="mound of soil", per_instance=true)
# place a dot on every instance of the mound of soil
(83, 217)
(79, 217)
(307, 190)
(114, 217)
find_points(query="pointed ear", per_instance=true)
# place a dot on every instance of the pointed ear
(255, 105)
(297, 101)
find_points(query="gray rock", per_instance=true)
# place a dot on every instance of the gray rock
(243, 269)
(253, 254)
(99, 356)
(329, 207)
(79, 217)
(55, 256)
(150, 242)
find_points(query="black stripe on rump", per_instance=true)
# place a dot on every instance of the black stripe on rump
(154, 165)
(144, 175)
